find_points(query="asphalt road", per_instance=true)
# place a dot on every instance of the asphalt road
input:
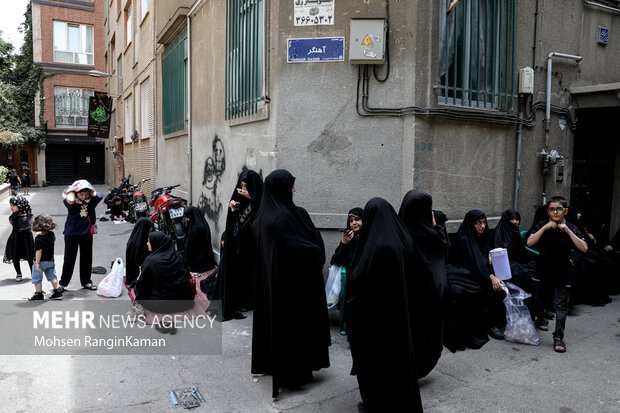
(501, 377)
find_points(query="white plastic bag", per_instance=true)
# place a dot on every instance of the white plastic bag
(519, 327)
(332, 287)
(112, 284)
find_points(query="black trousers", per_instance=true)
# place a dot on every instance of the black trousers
(559, 292)
(17, 267)
(85, 244)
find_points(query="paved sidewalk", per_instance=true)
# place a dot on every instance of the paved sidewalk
(501, 377)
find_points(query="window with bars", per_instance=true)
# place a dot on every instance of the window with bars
(174, 74)
(476, 54)
(71, 107)
(245, 57)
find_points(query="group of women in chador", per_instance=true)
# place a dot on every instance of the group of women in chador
(409, 289)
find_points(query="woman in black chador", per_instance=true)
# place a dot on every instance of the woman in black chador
(235, 279)
(137, 250)
(430, 249)
(378, 298)
(522, 261)
(476, 305)
(290, 337)
(198, 250)
(343, 256)
(164, 284)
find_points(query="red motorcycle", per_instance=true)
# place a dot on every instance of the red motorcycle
(168, 214)
(139, 205)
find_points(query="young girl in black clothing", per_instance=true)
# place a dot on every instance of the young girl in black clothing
(20, 245)
(43, 226)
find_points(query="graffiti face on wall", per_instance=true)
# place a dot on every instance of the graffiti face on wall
(215, 165)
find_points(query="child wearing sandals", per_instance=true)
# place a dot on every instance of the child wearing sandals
(43, 226)
(554, 239)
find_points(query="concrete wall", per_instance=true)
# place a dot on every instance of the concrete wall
(341, 159)
(221, 148)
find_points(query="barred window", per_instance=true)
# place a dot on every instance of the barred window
(245, 60)
(476, 53)
(71, 107)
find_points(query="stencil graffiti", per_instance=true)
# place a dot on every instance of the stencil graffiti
(210, 202)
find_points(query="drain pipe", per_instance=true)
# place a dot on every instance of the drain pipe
(189, 100)
(547, 122)
(518, 171)
(548, 106)
(602, 6)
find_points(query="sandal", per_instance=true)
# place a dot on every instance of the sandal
(542, 324)
(91, 287)
(558, 345)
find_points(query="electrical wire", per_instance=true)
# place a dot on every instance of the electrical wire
(453, 112)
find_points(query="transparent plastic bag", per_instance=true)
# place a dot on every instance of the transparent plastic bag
(112, 284)
(519, 327)
(332, 287)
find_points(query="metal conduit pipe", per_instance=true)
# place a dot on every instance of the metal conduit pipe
(602, 6)
(189, 99)
(548, 105)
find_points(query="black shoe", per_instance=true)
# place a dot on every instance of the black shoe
(61, 288)
(496, 333)
(38, 296)
(56, 294)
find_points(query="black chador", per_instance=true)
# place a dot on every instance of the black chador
(430, 249)
(164, 284)
(290, 336)
(378, 313)
(522, 261)
(198, 250)
(137, 250)
(469, 286)
(235, 279)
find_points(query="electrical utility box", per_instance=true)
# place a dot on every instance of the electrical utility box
(526, 81)
(367, 41)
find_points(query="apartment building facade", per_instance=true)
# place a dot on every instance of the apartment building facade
(67, 43)
(131, 68)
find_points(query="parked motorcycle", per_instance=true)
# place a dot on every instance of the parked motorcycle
(168, 214)
(118, 191)
(139, 203)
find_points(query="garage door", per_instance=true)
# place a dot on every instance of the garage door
(65, 164)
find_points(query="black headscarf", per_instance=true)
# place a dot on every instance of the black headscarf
(291, 329)
(23, 207)
(381, 275)
(508, 236)
(164, 276)
(430, 284)
(343, 256)
(471, 250)
(198, 250)
(540, 215)
(137, 250)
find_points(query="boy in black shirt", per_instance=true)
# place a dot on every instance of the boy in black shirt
(43, 226)
(14, 181)
(554, 239)
(25, 178)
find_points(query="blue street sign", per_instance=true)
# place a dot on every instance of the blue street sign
(603, 35)
(320, 49)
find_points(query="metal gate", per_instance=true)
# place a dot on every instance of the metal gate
(67, 163)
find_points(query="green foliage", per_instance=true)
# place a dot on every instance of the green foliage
(4, 171)
(20, 79)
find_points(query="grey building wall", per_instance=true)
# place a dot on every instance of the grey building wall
(341, 159)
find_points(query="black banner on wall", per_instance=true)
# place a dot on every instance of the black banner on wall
(99, 110)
